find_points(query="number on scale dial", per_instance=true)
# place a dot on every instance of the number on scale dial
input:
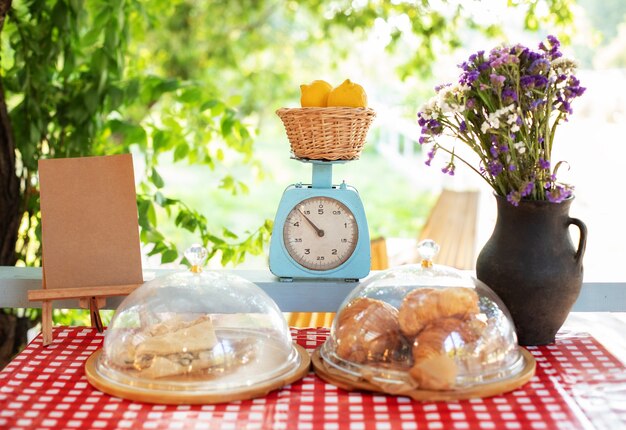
(320, 233)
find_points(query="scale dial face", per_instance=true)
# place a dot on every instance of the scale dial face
(320, 233)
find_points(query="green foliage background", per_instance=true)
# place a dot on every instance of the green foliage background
(193, 85)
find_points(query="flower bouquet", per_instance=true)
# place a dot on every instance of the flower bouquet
(505, 108)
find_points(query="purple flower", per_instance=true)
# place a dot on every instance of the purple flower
(472, 76)
(527, 82)
(558, 194)
(563, 105)
(535, 104)
(514, 197)
(449, 169)
(512, 103)
(540, 65)
(431, 155)
(573, 89)
(435, 126)
(553, 47)
(494, 167)
(509, 96)
(497, 80)
(540, 81)
(528, 188)
(420, 119)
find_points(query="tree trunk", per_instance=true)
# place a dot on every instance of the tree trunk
(9, 183)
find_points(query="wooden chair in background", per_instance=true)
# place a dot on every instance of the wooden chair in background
(452, 224)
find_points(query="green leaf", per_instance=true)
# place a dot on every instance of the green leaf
(159, 198)
(91, 101)
(217, 109)
(243, 187)
(116, 97)
(216, 240)
(181, 151)
(154, 236)
(159, 140)
(169, 256)
(227, 255)
(90, 38)
(235, 100)
(164, 86)
(156, 179)
(227, 125)
(227, 233)
(129, 132)
(151, 214)
(191, 95)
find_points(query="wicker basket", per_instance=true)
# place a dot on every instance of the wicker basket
(330, 133)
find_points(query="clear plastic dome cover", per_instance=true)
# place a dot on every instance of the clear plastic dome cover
(197, 331)
(425, 327)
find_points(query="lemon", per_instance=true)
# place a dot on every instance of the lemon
(348, 94)
(315, 94)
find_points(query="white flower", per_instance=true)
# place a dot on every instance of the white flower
(448, 99)
(564, 65)
(430, 109)
(520, 147)
(484, 127)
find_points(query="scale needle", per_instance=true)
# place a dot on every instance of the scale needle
(318, 230)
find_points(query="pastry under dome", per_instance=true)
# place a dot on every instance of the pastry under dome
(196, 336)
(423, 327)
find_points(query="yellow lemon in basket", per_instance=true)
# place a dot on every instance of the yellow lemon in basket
(348, 94)
(315, 94)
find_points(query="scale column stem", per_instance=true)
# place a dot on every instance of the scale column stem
(322, 175)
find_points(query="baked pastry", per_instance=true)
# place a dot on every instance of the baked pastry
(434, 367)
(178, 347)
(424, 306)
(368, 331)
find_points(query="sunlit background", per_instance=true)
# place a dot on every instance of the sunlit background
(398, 190)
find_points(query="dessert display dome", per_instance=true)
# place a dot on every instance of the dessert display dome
(196, 337)
(427, 331)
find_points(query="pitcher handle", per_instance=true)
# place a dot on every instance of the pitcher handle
(582, 243)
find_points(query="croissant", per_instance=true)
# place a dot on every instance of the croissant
(453, 331)
(367, 330)
(433, 368)
(423, 306)
(434, 373)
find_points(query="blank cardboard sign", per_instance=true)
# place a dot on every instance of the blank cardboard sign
(90, 234)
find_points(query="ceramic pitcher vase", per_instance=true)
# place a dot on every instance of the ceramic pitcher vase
(532, 264)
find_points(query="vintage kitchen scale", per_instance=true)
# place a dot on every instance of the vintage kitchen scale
(320, 229)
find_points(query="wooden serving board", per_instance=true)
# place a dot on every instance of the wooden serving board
(194, 398)
(351, 383)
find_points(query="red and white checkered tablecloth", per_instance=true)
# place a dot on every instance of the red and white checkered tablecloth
(578, 385)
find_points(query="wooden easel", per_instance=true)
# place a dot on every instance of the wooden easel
(90, 234)
(92, 298)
